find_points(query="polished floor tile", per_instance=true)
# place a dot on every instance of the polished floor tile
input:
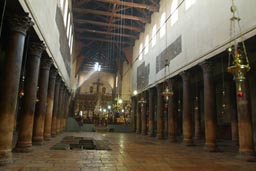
(130, 152)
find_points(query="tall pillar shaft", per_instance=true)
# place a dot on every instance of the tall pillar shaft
(172, 113)
(143, 116)
(138, 118)
(209, 108)
(151, 110)
(186, 110)
(55, 107)
(62, 120)
(38, 131)
(60, 108)
(9, 83)
(134, 102)
(197, 119)
(245, 129)
(30, 89)
(50, 100)
(160, 122)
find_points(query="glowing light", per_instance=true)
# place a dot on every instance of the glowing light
(135, 92)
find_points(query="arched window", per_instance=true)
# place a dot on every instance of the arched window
(146, 45)
(140, 52)
(189, 3)
(62, 4)
(162, 25)
(68, 25)
(154, 36)
(174, 12)
(65, 13)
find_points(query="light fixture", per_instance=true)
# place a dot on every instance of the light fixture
(142, 101)
(167, 92)
(135, 92)
(109, 107)
(97, 66)
(238, 63)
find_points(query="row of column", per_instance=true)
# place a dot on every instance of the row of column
(245, 129)
(44, 106)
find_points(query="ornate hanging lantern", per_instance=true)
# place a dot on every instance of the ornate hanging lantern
(167, 93)
(238, 63)
(142, 101)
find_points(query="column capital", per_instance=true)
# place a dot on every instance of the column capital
(53, 72)
(36, 48)
(46, 63)
(20, 23)
(206, 66)
(185, 75)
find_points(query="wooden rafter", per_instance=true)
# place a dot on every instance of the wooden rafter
(105, 13)
(82, 21)
(82, 30)
(153, 8)
(105, 40)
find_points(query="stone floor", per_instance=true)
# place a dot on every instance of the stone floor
(129, 152)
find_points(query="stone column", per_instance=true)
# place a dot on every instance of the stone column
(50, 100)
(160, 122)
(134, 102)
(68, 98)
(9, 85)
(245, 129)
(55, 107)
(138, 118)
(209, 108)
(186, 110)
(231, 107)
(60, 108)
(38, 131)
(172, 113)
(143, 116)
(151, 109)
(197, 119)
(62, 120)
(24, 142)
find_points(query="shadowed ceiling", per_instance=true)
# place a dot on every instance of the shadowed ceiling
(104, 28)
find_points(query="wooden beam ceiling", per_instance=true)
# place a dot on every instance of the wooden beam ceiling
(105, 40)
(105, 13)
(82, 21)
(81, 30)
(153, 8)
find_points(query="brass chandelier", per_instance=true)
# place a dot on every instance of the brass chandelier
(238, 63)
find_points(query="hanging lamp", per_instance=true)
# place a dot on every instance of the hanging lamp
(238, 63)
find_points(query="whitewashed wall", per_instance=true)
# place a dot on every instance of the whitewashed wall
(43, 13)
(204, 28)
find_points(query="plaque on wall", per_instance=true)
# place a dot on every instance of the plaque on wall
(142, 76)
(173, 50)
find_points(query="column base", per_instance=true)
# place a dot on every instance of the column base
(160, 136)
(137, 132)
(211, 148)
(172, 139)
(143, 133)
(53, 134)
(23, 147)
(38, 143)
(247, 156)
(47, 137)
(150, 134)
(188, 142)
(5, 157)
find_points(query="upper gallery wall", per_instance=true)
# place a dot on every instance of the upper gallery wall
(186, 32)
(53, 25)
